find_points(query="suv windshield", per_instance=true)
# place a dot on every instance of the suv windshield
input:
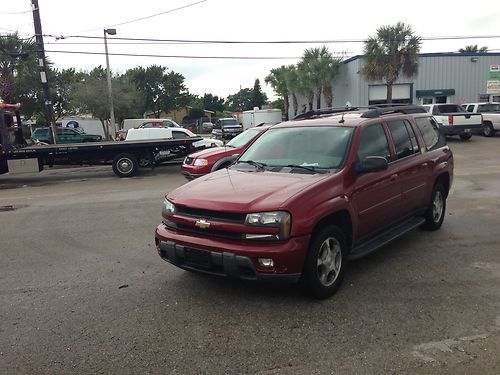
(323, 147)
(242, 139)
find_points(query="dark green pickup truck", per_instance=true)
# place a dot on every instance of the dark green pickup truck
(64, 135)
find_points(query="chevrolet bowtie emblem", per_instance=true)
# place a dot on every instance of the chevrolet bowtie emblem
(203, 224)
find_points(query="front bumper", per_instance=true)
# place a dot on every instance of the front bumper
(233, 259)
(192, 176)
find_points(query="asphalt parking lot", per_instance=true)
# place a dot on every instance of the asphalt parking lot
(82, 289)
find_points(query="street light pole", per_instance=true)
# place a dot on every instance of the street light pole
(108, 74)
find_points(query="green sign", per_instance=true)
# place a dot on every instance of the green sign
(493, 83)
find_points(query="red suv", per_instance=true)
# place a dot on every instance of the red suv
(205, 161)
(311, 194)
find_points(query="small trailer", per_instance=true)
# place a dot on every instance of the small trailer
(125, 157)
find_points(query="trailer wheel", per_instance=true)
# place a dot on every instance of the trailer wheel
(125, 165)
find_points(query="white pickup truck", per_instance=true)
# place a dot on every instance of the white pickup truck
(454, 120)
(491, 116)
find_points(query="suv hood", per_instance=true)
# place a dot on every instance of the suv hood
(242, 191)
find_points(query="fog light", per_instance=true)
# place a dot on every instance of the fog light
(266, 262)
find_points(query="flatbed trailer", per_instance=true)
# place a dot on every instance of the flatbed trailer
(125, 157)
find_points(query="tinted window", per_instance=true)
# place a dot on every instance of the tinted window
(491, 107)
(404, 138)
(430, 132)
(243, 138)
(179, 135)
(374, 143)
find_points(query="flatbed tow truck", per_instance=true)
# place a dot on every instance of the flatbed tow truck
(125, 157)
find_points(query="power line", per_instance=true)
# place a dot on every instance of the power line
(13, 13)
(147, 17)
(325, 41)
(185, 56)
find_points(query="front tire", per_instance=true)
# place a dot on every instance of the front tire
(326, 262)
(435, 213)
(125, 165)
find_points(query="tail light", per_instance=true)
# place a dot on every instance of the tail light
(450, 120)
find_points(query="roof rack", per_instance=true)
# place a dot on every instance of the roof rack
(324, 111)
(371, 111)
(377, 111)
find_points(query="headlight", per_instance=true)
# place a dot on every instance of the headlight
(200, 162)
(275, 219)
(168, 208)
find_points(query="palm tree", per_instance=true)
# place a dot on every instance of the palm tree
(320, 69)
(277, 80)
(393, 50)
(293, 85)
(473, 48)
(16, 54)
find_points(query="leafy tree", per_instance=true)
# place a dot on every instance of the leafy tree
(277, 80)
(213, 103)
(259, 98)
(162, 91)
(279, 104)
(393, 50)
(63, 82)
(91, 96)
(241, 101)
(473, 48)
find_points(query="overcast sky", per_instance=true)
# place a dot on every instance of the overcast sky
(226, 20)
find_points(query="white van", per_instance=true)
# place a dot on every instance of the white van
(168, 133)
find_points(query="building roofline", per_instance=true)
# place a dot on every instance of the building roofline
(437, 54)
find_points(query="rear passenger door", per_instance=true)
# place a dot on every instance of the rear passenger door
(376, 195)
(410, 165)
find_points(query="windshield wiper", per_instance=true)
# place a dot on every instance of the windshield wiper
(254, 163)
(312, 169)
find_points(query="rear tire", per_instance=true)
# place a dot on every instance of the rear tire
(488, 130)
(465, 136)
(434, 216)
(326, 262)
(125, 165)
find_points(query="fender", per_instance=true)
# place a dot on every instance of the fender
(224, 160)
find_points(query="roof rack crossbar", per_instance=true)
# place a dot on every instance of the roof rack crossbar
(376, 111)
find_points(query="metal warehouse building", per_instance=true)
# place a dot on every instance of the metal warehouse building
(441, 78)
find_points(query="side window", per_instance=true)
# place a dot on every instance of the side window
(179, 135)
(374, 143)
(147, 125)
(403, 142)
(69, 132)
(430, 132)
(168, 124)
(470, 108)
(435, 110)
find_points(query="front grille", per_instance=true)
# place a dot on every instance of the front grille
(209, 232)
(211, 215)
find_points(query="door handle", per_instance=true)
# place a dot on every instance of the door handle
(394, 177)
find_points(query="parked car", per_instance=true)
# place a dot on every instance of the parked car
(202, 162)
(227, 128)
(64, 135)
(130, 123)
(309, 195)
(490, 113)
(454, 120)
(175, 133)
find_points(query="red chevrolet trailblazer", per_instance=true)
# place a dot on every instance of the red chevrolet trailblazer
(309, 195)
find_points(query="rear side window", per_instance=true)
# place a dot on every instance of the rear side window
(404, 138)
(430, 132)
(374, 143)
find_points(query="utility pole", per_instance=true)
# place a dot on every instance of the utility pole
(42, 66)
(110, 90)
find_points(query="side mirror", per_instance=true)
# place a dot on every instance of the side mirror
(372, 164)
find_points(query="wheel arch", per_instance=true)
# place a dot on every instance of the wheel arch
(444, 179)
(342, 219)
